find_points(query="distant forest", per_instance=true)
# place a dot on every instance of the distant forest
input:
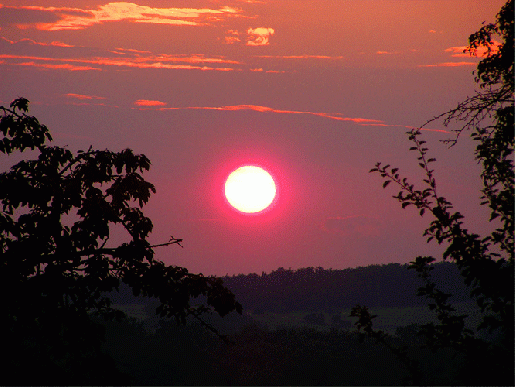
(328, 290)
(315, 289)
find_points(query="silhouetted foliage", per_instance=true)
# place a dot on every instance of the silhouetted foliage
(485, 263)
(56, 261)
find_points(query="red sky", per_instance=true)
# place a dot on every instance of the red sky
(316, 91)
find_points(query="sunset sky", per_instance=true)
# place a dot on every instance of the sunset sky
(315, 91)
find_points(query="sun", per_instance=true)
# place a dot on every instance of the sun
(250, 189)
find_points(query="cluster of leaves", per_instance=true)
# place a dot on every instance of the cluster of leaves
(486, 263)
(56, 215)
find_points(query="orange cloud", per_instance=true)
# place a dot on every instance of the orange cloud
(480, 52)
(66, 66)
(146, 102)
(76, 19)
(259, 36)
(387, 52)
(233, 37)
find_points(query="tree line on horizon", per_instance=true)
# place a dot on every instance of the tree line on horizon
(329, 290)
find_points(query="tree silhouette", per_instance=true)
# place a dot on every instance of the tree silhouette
(485, 263)
(57, 264)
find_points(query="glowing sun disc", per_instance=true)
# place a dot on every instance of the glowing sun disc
(250, 189)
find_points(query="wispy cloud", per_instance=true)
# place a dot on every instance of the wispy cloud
(259, 36)
(266, 109)
(83, 97)
(387, 52)
(64, 66)
(297, 57)
(332, 116)
(146, 102)
(196, 62)
(76, 18)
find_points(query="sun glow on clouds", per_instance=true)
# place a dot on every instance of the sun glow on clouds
(76, 19)
(259, 36)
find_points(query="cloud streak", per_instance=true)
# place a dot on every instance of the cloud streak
(148, 62)
(83, 97)
(298, 57)
(450, 64)
(332, 116)
(266, 109)
(31, 41)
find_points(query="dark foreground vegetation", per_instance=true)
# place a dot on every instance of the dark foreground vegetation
(275, 342)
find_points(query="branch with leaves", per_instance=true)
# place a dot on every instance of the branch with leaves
(56, 215)
(486, 263)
